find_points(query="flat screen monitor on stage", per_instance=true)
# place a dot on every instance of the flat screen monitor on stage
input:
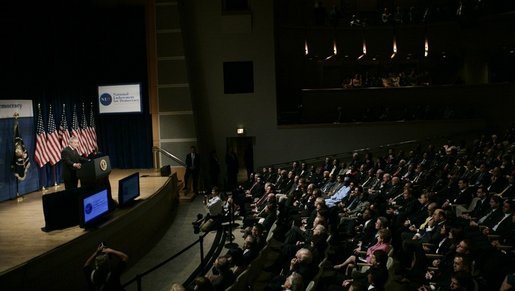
(93, 206)
(128, 189)
(61, 209)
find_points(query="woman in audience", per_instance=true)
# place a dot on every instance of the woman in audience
(374, 277)
(383, 243)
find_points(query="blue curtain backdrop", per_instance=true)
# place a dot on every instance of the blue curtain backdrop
(126, 138)
(7, 179)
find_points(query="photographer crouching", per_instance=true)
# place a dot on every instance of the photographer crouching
(215, 208)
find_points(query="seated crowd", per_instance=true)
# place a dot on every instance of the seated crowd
(392, 79)
(443, 213)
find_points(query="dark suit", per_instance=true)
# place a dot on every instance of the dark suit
(492, 218)
(394, 191)
(418, 215)
(368, 232)
(508, 192)
(504, 227)
(498, 185)
(249, 255)
(69, 157)
(257, 190)
(481, 209)
(192, 170)
(433, 236)
(464, 197)
(483, 178)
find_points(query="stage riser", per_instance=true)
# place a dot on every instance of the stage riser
(134, 232)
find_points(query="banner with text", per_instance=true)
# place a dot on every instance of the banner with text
(119, 99)
(9, 107)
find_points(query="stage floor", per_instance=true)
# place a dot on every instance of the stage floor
(21, 238)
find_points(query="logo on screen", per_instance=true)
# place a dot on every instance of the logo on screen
(88, 208)
(106, 99)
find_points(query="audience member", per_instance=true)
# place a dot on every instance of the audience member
(177, 287)
(202, 284)
(222, 276)
(104, 268)
(215, 208)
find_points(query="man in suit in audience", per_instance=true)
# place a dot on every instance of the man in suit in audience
(339, 195)
(482, 177)
(498, 181)
(250, 249)
(419, 213)
(471, 172)
(396, 188)
(72, 162)
(491, 218)
(504, 227)
(482, 205)
(257, 189)
(222, 276)
(461, 196)
(281, 181)
(432, 234)
(509, 191)
(287, 183)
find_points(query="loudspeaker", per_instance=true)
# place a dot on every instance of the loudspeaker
(166, 171)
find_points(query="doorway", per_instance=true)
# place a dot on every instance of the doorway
(239, 159)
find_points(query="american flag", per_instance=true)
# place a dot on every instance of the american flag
(76, 131)
(64, 134)
(84, 131)
(41, 153)
(91, 128)
(53, 145)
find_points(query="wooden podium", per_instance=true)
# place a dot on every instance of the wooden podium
(92, 174)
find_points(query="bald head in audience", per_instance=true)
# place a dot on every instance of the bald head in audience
(293, 282)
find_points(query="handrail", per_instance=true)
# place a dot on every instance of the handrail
(138, 277)
(169, 155)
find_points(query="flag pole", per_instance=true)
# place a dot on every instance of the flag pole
(55, 175)
(19, 198)
(43, 189)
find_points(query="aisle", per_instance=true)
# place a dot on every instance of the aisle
(179, 235)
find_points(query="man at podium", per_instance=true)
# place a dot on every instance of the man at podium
(71, 163)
